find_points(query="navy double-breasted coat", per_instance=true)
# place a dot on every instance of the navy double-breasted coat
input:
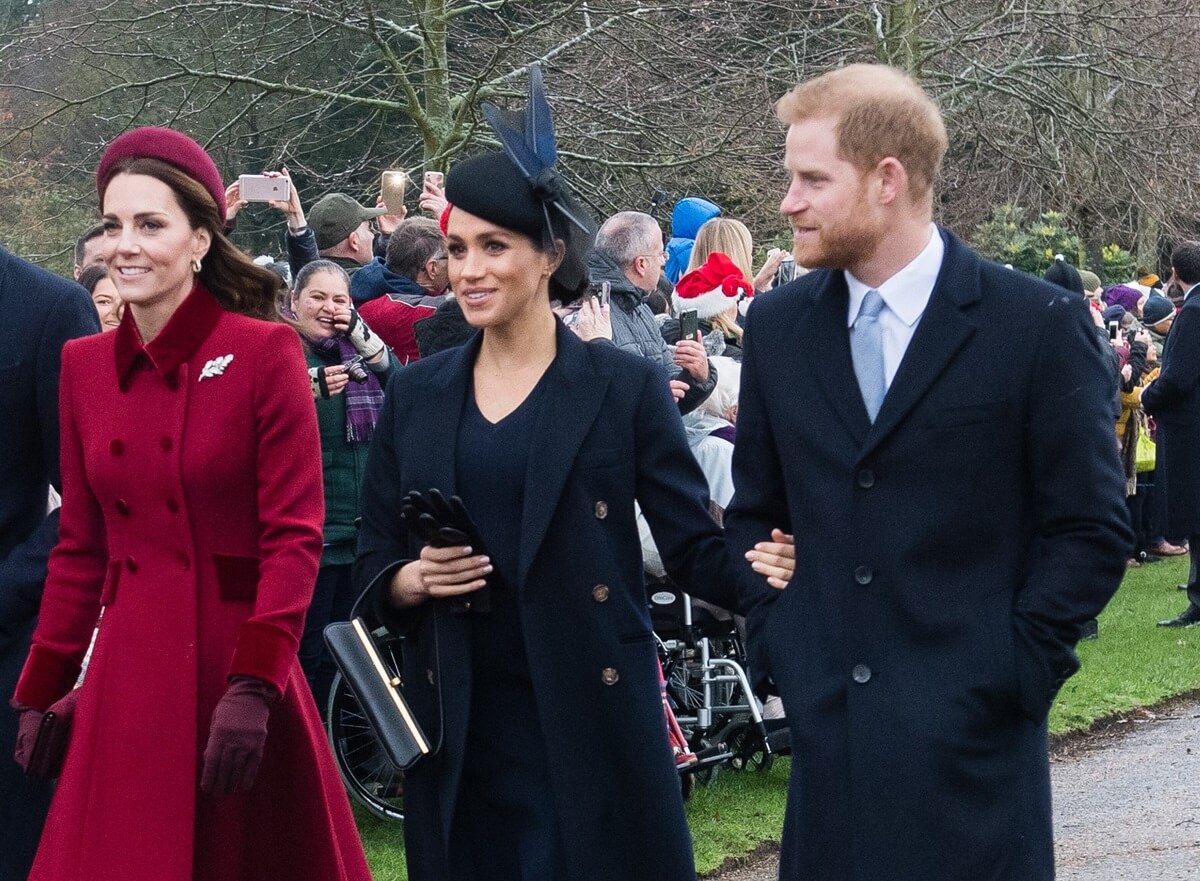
(608, 433)
(946, 556)
(1173, 399)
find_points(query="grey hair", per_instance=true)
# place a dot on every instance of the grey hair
(628, 235)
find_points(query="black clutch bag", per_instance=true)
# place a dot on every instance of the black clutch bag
(378, 691)
(50, 748)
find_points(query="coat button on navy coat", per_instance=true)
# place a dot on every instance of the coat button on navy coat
(866, 478)
(863, 575)
(861, 674)
(601, 510)
(609, 676)
(600, 593)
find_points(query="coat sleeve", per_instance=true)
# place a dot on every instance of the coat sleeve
(1181, 371)
(71, 602)
(759, 503)
(1082, 537)
(301, 250)
(383, 545)
(291, 511)
(23, 569)
(674, 497)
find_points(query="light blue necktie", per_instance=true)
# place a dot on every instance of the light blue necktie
(866, 348)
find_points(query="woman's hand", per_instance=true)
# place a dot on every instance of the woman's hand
(292, 212)
(775, 559)
(328, 381)
(433, 199)
(388, 222)
(594, 321)
(233, 201)
(439, 572)
(690, 355)
(763, 280)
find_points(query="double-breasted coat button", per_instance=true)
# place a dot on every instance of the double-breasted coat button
(172, 506)
(117, 447)
(863, 575)
(166, 443)
(866, 478)
(600, 593)
(609, 675)
(601, 510)
(184, 563)
(429, 675)
(131, 564)
(861, 674)
(122, 507)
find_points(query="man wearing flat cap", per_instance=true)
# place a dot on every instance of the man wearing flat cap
(343, 231)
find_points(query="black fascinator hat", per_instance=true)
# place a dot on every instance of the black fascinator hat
(520, 189)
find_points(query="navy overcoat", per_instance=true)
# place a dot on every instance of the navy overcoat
(42, 311)
(946, 556)
(1174, 401)
(609, 433)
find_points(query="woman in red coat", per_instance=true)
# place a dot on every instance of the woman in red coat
(192, 517)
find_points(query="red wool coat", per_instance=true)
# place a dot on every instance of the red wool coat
(192, 514)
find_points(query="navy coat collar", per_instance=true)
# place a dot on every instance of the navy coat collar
(945, 327)
(574, 393)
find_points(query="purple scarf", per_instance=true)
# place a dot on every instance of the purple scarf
(363, 399)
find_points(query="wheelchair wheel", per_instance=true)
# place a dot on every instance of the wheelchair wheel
(749, 751)
(370, 777)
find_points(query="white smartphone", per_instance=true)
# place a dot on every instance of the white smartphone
(260, 188)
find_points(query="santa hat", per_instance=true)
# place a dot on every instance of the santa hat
(712, 288)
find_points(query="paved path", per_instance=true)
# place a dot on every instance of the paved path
(1126, 804)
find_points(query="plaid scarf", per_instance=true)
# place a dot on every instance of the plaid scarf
(363, 400)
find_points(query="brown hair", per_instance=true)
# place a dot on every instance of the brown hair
(880, 112)
(229, 275)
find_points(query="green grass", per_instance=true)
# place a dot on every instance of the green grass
(1132, 664)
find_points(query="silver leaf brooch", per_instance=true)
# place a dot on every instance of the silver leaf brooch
(215, 367)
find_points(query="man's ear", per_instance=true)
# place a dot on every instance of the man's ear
(893, 179)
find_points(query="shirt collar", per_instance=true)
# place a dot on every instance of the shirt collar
(907, 292)
(186, 329)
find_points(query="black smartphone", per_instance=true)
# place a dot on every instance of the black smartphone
(689, 323)
(1113, 328)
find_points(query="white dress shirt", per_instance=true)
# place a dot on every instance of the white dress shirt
(906, 294)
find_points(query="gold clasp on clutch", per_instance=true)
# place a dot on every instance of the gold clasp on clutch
(395, 682)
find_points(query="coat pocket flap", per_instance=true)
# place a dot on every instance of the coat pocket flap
(237, 577)
(108, 593)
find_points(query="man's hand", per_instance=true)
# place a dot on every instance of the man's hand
(690, 355)
(678, 389)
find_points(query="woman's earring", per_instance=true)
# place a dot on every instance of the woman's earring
(196, 265)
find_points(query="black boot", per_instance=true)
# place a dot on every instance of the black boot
(1190, 616)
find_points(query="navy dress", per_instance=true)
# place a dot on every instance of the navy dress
(504, 826)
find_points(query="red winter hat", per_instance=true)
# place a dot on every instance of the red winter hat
(169, 146)
(712, 288)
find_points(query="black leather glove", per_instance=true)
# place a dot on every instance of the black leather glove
(237, 736)
(444, 523)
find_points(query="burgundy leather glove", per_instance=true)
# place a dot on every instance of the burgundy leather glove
(237, 736)
(29, 722)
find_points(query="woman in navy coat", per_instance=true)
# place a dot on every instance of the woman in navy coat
(532, 665)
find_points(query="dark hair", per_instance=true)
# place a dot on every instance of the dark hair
(658, 303)
(81, 242)
(1185, 260)
(229, 275)
(414, 243)
(91, 276)
(310, 269)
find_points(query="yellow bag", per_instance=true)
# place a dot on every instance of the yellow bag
(1144, 454)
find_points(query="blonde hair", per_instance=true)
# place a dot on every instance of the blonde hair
(731, 238)
(880, 112)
